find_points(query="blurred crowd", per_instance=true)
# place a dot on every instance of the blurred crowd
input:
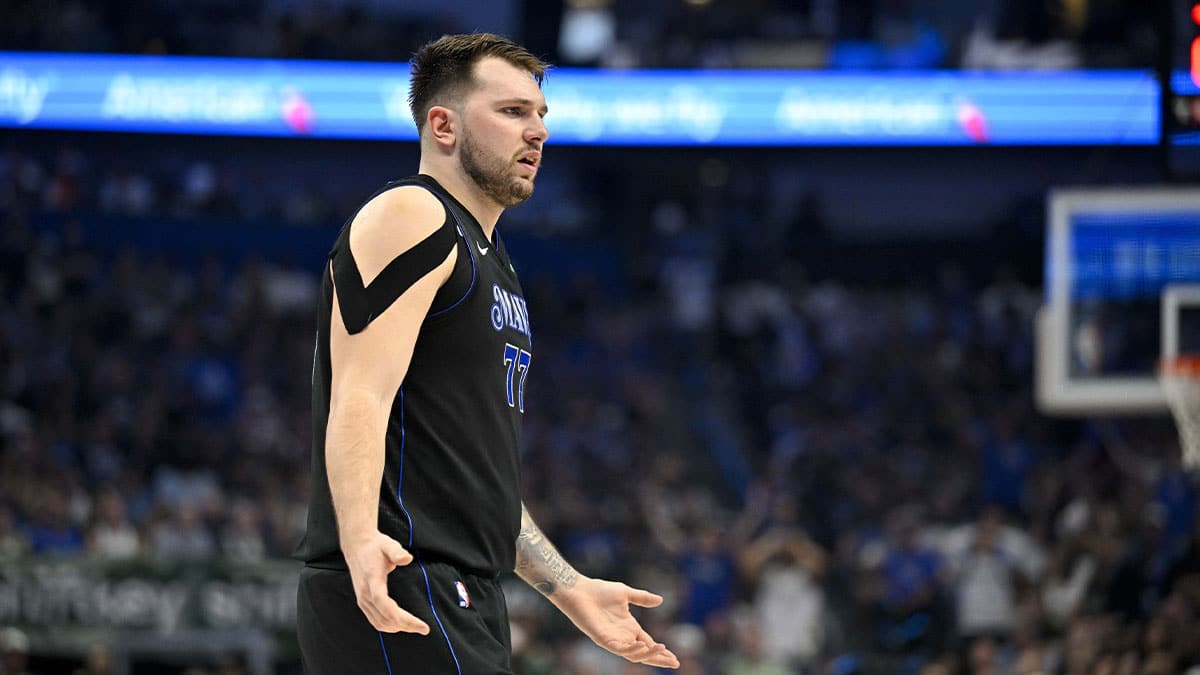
(821, 477)
(123, 185)
(1007, 34)
(306, 29)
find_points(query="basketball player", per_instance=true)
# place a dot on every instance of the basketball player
(423, 347)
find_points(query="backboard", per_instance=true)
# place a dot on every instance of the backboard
(1122, 282)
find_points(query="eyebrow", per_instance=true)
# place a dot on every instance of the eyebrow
(544, 109)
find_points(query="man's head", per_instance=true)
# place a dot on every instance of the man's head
(443, 71)
(14, 650)
(478, 97)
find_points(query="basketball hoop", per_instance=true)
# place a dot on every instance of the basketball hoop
(1180, 379)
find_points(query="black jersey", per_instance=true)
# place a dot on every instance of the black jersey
(451, 480)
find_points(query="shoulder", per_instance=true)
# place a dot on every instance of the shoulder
(402, 216)
(391, 223)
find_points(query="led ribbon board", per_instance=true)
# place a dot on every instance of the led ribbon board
(324, 99)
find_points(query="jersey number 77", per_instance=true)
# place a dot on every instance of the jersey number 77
(517, 361)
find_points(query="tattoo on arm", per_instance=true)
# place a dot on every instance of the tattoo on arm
(538, 562)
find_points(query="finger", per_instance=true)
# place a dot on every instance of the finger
(380, 619)
(637, 656)
(636, 651)
(393, 619)
(663, 659)
(661, 656)
(395, 553)
(643, 647)
(644, 598)
(411, 624)
(644, 639)
(654, 650)
(630, 649)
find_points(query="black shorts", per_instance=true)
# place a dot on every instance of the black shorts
(468, 625)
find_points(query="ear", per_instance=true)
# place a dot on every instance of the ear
(442, 125)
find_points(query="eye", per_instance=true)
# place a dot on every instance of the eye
(516, 112)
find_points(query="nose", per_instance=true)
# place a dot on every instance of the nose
(537, 132)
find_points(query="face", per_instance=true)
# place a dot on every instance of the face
(501, 143)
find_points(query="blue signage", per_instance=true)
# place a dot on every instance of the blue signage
(324, 99)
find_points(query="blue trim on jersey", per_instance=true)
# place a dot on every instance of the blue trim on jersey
(429, 590)
(400, 479)
(386, 660)
(470, 254)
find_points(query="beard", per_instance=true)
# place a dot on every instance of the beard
(493, 175)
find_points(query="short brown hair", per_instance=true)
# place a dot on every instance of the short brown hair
(443, 69)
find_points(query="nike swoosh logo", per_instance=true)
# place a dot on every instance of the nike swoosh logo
(483, 250)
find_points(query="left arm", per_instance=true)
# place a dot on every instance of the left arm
(599, 608)
(539, 563)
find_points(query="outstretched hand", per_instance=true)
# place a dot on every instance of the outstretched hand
(370, 561)
(601, 610)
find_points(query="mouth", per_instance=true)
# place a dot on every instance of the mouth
(530, 161)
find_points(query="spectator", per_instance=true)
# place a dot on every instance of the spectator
(986, 563)
(99, 662)
(709, 570)
(787, 569)
(14, 652)
(241, 539)
(1067, 584)
(51, 529)
(112, 536)
(13, 543)
(182, 535)
(912, 575)
(749, 657)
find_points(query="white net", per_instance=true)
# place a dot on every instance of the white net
(1180, 380)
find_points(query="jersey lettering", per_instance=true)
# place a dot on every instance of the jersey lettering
(509, 311)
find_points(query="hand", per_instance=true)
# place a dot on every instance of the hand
(601, 610)
(370, 561)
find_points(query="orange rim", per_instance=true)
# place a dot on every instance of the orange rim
(1185, 364)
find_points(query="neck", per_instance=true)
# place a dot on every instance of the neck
(458, 183)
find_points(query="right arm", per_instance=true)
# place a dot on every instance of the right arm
(367, 370)
(807, 553)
